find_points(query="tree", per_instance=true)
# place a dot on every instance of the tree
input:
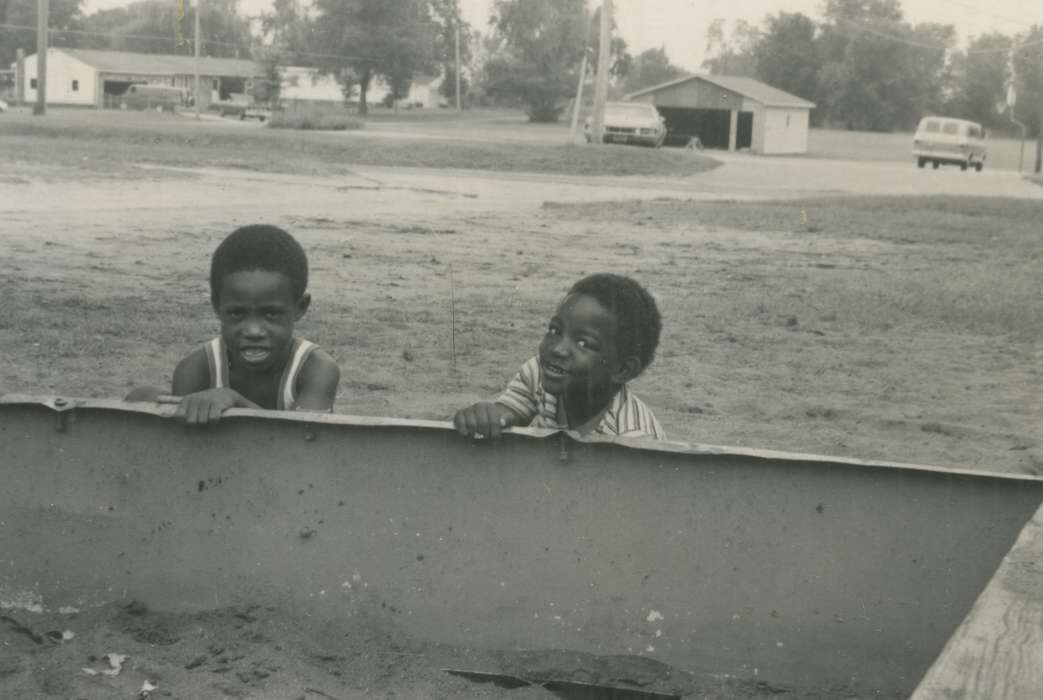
(63, 14)
(731, 54)
(620, 57)
(389, 38)
(539, 44)
(288, 30)
(650, 67)
(150, 26)
(786, 56)
(446, 15)
(878, 72)
(979, 80)
(1028, 68)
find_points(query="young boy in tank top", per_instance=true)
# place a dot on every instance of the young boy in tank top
(258, 283)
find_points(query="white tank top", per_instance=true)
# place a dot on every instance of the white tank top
(217, 358)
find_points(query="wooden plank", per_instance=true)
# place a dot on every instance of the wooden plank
(997, 652)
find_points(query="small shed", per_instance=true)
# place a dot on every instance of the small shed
(731, 112)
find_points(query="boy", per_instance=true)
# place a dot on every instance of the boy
(604, 334)
(258, 278)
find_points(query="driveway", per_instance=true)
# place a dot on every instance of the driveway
(421, 193)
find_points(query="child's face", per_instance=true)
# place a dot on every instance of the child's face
(257, 310)
(578, 355)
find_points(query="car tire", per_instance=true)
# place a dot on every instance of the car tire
(935, 164)
(920, 162)
(979, 166)
(963, 166)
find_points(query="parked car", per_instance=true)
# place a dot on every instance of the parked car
(941, 140)
(164, 98)
(630, 122)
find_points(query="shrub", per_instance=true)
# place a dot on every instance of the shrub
(314, 120)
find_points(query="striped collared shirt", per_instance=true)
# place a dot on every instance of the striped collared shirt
(625, 416)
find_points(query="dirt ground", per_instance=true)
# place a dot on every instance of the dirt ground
(266, 653)
(903, 329)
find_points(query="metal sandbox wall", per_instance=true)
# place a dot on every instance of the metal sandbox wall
(796, 568)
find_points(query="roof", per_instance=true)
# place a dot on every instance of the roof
(164, 64)
(425, 79)
(747, 87)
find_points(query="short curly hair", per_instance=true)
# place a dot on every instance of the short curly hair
(637, 316)
(260, 247)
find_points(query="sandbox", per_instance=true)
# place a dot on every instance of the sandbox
(798, 571)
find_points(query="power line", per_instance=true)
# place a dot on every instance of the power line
(208, 42)
(936, 47)
(1020, 21)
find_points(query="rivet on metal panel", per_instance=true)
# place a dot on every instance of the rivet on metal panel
(309, 436)
(563, 448)
(59, 402)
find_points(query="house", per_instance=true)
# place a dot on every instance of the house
(424, 92)
(93, 78)
(731, 112)
(301, 85)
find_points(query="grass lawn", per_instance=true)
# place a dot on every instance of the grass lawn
(1003, 153)
(113, 141)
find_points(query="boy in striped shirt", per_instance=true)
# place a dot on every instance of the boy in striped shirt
(603, 334)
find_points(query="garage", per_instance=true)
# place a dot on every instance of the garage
(730, 113)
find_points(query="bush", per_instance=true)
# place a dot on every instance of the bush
(314, 121)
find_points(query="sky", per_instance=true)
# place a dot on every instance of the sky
(680, 25)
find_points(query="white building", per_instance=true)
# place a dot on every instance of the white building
(731, 112)
(93, 78)
(424, 92)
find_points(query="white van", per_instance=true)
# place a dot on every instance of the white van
(943, 140)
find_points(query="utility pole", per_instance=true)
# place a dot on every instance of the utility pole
(579, 98)
(199, 4)
(458, 108)
(1039, 140)
(42, 10)
(601, 83)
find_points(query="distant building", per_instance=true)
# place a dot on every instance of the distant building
(92, 78)
(424, 92)
(731, 112)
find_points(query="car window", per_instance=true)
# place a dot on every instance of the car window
(974, 131)
(932, 127)
(951, 128)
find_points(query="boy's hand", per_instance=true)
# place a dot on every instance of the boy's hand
(483, 419)
(205, 407)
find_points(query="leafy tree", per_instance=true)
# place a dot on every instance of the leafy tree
(879, 72)
(446, 15)
(787, 56)
(979, 80)
(539, 44)
(288, 30)
(650, 67)
(619, 56)
(1028, 67)
(151, 26)
(267, 88)
(731, 54)
(63, 14)
(448, 87)
(390, 38)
